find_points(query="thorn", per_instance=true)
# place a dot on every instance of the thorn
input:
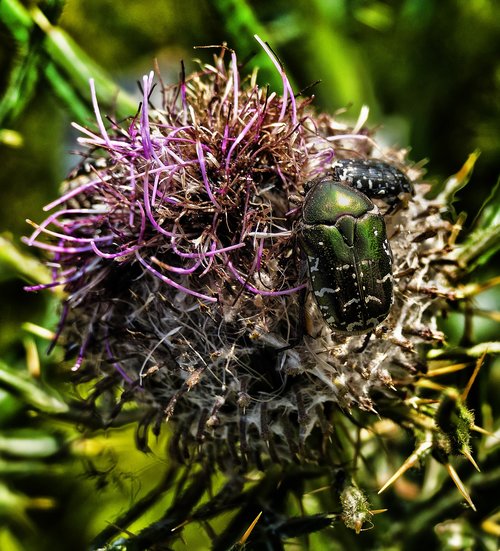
(460, 485)
(38, 331)
(457, 228)
(181, 525)
(491, 525)
(446, 369)
(424, 383)
(249, 530)
(317, 490)
(475, 288)
(32, 357)
(468, 455)
(410, 461)
(417, 401)
(479, 363)
(481, 430)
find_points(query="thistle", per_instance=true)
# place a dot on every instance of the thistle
(187, 292)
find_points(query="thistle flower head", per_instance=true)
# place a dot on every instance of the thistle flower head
(186, 287)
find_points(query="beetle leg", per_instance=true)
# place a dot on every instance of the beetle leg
(366, 340)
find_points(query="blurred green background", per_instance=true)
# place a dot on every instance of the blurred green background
(429, 71)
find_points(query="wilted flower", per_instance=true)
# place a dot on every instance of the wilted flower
(187, 289)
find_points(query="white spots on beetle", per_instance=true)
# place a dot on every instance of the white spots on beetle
(321, 293)
(374, 177)
(321, 243)
(356, 326)
(375, 233)
(387, 277)
(350, 303)
(343, 174)
(372, 298)
(313, 264)
(373, 322)
(386, 248)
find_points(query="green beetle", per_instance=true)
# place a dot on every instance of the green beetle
(350, 260)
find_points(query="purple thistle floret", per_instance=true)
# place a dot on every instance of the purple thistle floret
(155, 157)
(184, 281)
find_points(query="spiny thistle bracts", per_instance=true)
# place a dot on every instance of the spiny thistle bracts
(183, 275)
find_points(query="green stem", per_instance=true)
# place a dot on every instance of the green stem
(65, 58)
